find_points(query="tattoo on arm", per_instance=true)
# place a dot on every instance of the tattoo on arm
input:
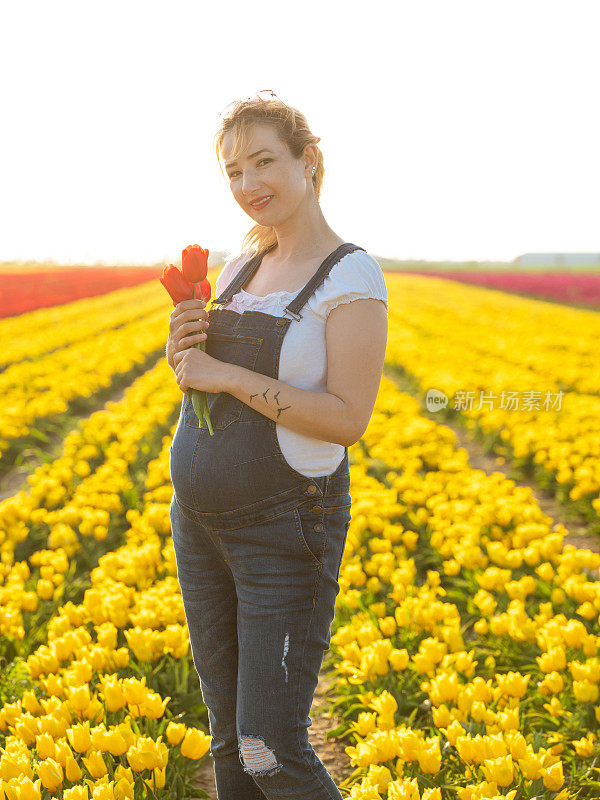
(279, 410)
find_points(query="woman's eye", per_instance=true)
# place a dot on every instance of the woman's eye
(267, 160)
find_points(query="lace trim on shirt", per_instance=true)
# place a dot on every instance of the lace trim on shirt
(246, 299)
(349, 298)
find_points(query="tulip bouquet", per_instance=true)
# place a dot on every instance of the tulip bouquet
(181, 285)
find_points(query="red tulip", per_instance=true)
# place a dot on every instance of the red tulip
(176, 285)
(194, 263)
(203, 290)
(189, 284)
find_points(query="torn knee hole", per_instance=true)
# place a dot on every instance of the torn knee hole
(256, 757)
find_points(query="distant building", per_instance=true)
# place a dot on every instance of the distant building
(559, 259)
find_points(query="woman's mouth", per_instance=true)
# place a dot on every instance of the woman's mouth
(262, 203)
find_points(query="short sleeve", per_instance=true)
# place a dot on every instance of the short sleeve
(356, 276)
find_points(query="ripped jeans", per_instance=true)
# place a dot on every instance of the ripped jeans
(259, 601)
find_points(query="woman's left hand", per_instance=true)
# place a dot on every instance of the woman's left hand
(195, 369)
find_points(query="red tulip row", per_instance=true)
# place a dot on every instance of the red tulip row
(20, 292)
(565, 287)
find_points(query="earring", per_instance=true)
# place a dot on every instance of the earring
(314, 170)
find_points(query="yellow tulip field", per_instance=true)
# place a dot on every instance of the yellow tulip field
(464, 652)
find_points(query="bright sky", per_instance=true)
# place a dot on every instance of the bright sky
(462, 129)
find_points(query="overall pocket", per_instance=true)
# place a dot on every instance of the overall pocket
(224, 408)
(310, 529)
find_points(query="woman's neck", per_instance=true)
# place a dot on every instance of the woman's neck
(303, 237)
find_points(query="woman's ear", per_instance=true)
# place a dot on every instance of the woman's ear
(310, 157)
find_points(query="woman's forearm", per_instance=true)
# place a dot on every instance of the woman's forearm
(320, 415)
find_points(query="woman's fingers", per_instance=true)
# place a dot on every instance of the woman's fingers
(192, 314)
(187, 310)
(177, 360)
(194, 325)
(187, 326)
(186, 333)
(185, 305)
(188, 341)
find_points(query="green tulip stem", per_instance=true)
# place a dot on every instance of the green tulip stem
(199, 400)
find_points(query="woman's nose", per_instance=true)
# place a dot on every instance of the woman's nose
(249, 185)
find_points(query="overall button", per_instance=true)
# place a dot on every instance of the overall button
(311, 489)
(318, 527)
(317, 509)
(280, 321)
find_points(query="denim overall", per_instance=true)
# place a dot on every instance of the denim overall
(258, 547)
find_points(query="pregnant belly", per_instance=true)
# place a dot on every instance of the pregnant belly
(234, 468)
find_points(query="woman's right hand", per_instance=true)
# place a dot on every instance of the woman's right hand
(184, 328)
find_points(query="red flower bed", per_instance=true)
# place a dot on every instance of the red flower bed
(566, 287)
(25, 291)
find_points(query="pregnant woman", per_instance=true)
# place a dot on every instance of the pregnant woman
(295, 345)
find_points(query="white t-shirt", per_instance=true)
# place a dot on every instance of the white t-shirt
(303, 361)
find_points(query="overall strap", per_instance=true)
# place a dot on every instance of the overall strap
(244, 275)
(317, 279)
(293, 309)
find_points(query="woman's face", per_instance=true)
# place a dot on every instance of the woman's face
(273, 171)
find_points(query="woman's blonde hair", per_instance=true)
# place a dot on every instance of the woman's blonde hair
(292, 129)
